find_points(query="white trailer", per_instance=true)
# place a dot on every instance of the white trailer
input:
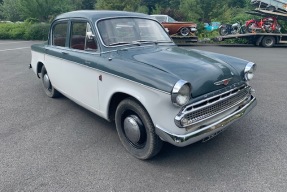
(258, 39)
(261, 39)
(271, 5)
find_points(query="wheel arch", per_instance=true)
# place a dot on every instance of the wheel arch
(115, 101)
(39, 67)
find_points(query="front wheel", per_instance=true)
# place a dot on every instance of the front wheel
(268, 41)
(136, 130)
(47, 85)
(184, 31)
(223, 31)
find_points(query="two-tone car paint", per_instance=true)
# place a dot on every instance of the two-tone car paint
(100, 79)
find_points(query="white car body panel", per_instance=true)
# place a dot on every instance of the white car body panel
(82, 79)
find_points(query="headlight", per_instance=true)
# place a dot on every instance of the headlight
(249, 71)
(181, 93)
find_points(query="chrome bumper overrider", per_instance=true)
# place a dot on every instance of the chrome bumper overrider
(206, 130)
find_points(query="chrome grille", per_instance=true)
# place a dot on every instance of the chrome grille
(210, 107)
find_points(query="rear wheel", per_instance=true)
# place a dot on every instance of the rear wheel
(268, 41)
(136, 130)
(47, 85)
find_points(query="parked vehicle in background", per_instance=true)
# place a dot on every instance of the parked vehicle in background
(176, 27)
(124, 67)
(263, 32)
(236, 28)
(271, 5)
(211, 26)
(267, 24)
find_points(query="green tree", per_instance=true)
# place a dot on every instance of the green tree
(238, 3)
(123, 5)
(81, 4)
(9, 10)
(150, 4)
(44, 10)
(88, 4)
(207, 10)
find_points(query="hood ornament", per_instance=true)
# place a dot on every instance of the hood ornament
(223, 82)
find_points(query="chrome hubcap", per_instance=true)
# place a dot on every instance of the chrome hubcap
(184, 31)
(46, 81)
(132, 128)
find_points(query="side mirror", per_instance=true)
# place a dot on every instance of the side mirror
(90, 35)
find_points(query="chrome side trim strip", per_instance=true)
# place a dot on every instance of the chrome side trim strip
(206, 130)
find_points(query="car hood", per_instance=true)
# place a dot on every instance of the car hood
(205, 73)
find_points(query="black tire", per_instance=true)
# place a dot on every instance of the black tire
(47, 85)
(223, 31)
(184, 31)
(242, 29)
(140, 140)
(268, 41)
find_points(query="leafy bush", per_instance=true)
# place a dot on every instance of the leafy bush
(25, 30)
(17, 30)
(37, 31)
(4, 30)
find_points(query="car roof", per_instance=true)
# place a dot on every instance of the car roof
(99, 14)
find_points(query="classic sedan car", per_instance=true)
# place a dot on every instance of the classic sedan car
(175, 27)
(125, 68)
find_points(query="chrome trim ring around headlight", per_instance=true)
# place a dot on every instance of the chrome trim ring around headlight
(249, 71)
(176, 90)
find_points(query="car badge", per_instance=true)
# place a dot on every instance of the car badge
(223, 82)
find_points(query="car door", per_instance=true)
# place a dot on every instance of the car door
(73, 66)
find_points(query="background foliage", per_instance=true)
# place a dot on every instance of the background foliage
(199, 11)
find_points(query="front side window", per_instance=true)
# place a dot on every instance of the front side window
(121, 31)
(59, 34)
(81, 36)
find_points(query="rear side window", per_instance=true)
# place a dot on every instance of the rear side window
(59, 34)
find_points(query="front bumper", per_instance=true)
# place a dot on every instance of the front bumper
(206, 131)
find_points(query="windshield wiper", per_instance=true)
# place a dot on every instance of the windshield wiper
(138, 42)
(145, 41)
(120, 43)
(155, 42)
(126, 43)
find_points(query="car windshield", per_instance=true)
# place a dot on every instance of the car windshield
(135, 31)
(171, 20)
